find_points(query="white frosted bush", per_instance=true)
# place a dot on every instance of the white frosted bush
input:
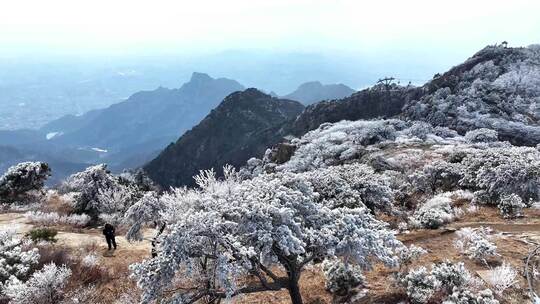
(45, 286)
(482, 135)
(341, 277)
(466, 296)
(501, 171)
(502, 277)
(407, 255)
(475, 243)
(448, 280)
(16, 260)
(420, 285)
(53, 218)
(511, 206)
(90, 260)
(352, 186)
(98, 193)
(451, 275)
(331, 144)
(435, 212)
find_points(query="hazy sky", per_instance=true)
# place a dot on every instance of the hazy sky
(108, 26)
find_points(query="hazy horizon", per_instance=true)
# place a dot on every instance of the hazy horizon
(124, 28)
(68, 56)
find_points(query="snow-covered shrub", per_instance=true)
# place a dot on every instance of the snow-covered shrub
(45, 286)
(53, 218)
(500, 171)
(420, 285)
(448, 280)
(475, 243)
(466, 296)
(341, 277)
(511, 206)
(436, 176)
(435, 212)
(352, 186)
(90, 260)
(502, 277)
(21, 179)
(43, 218)
(482, 135)
(419, 129)
(229, 228)
(16, 259)
(407, 255)
(450, 275)
(334, 143)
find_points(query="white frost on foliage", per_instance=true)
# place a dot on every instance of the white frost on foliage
(435, 212)
(22, 178)
(236, 227)
(45, 286)
(475, 243)
(16, 260)
(501, 94)
(502, 277)
(341, 277)
(53, 218)
(100, 194)
(331, 144)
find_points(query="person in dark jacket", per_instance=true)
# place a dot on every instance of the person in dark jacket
(108, 232)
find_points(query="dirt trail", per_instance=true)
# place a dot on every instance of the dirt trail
(75, 239)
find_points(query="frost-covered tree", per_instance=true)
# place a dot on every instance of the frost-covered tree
(21, 179)
(112, 203)
(147, 210)
(16, 259)
(87, 185)
(231, 228)
(45, 286)
(100, 194)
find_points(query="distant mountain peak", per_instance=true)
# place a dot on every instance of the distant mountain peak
(314, 91)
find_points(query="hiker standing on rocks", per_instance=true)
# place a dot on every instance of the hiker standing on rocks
(108, 232)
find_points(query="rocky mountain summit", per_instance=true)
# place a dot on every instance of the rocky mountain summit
(243, 125)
